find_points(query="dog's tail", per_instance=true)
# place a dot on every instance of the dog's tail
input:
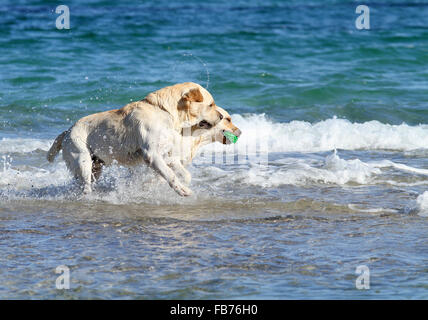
(56, 147)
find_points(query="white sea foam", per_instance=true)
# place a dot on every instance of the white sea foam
(24, 181)
(118, 185)
(308, 170)
(23, 145)
(139, 185)
(333, 170)
(294, 136)
(371, 210)
(399, 166)
(422, 202)
(300, 136)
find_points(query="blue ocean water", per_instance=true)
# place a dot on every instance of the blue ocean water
(344, 111)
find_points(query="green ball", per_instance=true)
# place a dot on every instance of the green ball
(232, 138)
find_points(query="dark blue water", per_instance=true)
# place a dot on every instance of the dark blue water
(298, 75)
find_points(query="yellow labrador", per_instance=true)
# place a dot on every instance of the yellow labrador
(192, 139)
(144, 131)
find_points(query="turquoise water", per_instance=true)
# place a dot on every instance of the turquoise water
(297, 74)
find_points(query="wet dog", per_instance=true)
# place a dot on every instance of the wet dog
(153, 130)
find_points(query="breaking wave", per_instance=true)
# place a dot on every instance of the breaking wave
(294, 136)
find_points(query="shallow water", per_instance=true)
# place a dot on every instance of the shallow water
(304, 249)
(343, 116)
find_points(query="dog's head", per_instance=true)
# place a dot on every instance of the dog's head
(225, 124)
(213, 133)
(188, 103)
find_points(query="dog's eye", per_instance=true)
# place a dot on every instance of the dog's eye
(221, 117)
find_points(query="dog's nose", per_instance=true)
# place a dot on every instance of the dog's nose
(237, 132)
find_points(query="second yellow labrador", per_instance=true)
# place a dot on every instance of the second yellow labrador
(165, 129)
(192, 139)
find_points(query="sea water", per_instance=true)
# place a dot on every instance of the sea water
(337, 180)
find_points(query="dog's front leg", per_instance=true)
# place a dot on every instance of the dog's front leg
(176, 165)
(160, 166)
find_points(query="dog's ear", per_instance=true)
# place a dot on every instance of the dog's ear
(177, 101)
(153, 99)
(193, 95)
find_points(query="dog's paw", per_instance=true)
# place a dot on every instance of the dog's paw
(182, 190)
(87, 189)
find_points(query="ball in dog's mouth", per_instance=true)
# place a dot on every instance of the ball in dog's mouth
(230, 136)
